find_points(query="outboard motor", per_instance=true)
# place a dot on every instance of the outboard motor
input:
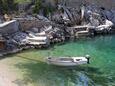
(88, 58)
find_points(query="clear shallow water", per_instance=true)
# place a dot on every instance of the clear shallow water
(100, 71)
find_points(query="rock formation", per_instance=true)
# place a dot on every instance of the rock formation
(65, 23)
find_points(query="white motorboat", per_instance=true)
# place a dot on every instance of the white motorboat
(68, 61)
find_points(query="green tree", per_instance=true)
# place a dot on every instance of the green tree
(37, 6)
(1, 5)
(11, 5)
(7, 6)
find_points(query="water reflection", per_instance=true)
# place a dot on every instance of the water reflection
(42, 74)
(99, 73)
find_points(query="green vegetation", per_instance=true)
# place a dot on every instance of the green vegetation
(22, 1)
(45, 7)
(7, 6)
(37, 6)
(48, 9)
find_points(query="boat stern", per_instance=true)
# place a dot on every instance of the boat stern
(88, 59)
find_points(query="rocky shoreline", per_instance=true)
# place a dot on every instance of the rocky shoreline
(64, 24)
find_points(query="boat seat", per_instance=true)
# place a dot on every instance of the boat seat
(76, 60)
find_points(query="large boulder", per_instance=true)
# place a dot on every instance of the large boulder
(10, 27)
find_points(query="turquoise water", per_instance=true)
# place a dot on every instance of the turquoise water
(102, 52)
(100, 71)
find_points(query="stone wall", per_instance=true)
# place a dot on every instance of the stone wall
(105, 3)
(27, 24)
(9, 27)
(74, 3)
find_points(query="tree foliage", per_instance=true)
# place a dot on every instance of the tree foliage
(45, 7)
(7, 6)
(37, 6)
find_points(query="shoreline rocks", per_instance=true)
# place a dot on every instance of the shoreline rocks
(65, 24)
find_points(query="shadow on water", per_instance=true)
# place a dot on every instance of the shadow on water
(42, 74)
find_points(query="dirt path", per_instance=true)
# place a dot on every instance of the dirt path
(6, 75)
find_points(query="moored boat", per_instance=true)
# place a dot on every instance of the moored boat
(68, 61)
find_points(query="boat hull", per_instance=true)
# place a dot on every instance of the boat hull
(72, 62)
(66, 64)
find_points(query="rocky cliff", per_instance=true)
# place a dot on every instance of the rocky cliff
(110, 4)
